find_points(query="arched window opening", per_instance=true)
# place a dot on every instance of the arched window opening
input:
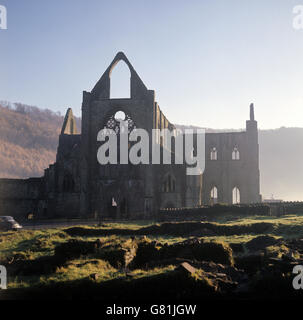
(236, 195)
(120, 81)
(112, 206)
(213, 154)
(214, 196)
(169, 184)
(165, 187)
(235, 154)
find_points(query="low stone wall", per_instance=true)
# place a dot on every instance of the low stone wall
(263, 209)
(283, 208)
(212, 211)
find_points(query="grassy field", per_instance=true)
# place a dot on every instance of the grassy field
(29, 254)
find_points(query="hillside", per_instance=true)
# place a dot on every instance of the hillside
(29, 138)
(281, 165)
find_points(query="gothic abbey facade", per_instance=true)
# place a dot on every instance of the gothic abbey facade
(76, 185)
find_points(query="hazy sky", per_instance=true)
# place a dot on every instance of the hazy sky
(207, 60)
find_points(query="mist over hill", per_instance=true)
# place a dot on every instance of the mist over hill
(281, 165)
(29, 139)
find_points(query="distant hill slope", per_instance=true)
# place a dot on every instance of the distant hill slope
(281, 165)
(29, 139)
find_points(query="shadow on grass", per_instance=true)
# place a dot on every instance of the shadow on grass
(178, 229)
(169, 285)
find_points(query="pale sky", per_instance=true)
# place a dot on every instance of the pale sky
(207, 60)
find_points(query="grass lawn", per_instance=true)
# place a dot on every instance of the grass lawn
(30, 245)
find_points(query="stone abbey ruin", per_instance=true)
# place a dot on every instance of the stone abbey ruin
(76, 185)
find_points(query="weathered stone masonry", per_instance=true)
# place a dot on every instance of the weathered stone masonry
(76, 185)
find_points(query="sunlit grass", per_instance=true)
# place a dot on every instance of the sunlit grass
(32, 244)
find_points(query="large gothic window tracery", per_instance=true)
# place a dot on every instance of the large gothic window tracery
(114, 122)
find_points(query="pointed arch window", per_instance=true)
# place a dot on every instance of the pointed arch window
(236, 195)
(213, 154)
(169, 184)
(235, 154)
(213, 195)
(120, 81)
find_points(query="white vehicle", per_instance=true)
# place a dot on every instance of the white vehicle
(8, 223)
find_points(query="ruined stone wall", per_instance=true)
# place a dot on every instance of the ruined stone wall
(226, 173)
(101, 184)
(62, 180)
(77, 185)
(18, 198)
(170, 182)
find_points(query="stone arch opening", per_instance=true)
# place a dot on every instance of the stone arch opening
(213, 154)
(120, 81)
(169, 183)
(236, 197)
(214, 195)
(112, 206)
(235, 154)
